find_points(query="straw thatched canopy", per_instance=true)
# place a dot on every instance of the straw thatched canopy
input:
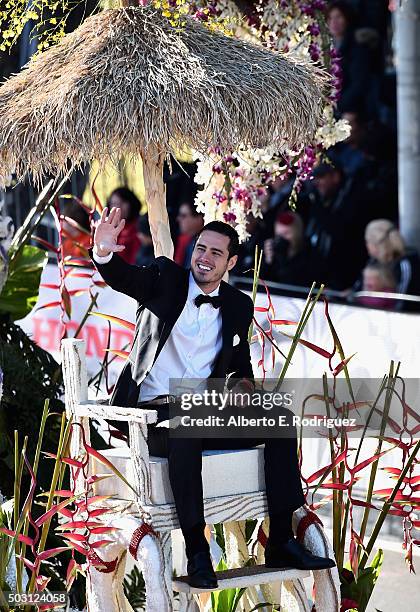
(126, 82)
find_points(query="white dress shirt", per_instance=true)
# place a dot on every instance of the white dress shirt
(192, 346)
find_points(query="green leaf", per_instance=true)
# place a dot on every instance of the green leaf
(237, 598)
(361, 590)
(20, 293)
(135, 589)
(228, 599)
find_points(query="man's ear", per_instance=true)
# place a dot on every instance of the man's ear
(232, 262)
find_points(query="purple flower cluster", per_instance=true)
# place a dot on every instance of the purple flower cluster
(314, 51)
(203, 14)
(241, 195)
(336, 72)
(241, 187)
(219, 196)
(310, 8)
(314, 29)
(304, 167)
(229, 217)
(225, 162)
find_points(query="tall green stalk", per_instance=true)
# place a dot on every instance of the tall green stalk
(65, 430)
(336, 507)
(19, 461)
(307, 311)
(356, 459)
(62, 444)
(386, 507)
(35, 466)
(375, 464)
(42, 204)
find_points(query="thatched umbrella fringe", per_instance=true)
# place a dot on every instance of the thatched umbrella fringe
(115, 84)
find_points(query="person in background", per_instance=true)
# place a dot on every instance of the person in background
(288, 257)
(75, 237)
(385, 245)
(130, 207)
(190, 223)
(349, 153)
(378, 277)
(339, 210)
(356, 70)
(145, 255)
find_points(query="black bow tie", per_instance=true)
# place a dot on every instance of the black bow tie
(215, 301)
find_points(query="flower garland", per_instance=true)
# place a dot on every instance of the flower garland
(234, 184)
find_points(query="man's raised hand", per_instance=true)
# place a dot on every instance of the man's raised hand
(107, 231)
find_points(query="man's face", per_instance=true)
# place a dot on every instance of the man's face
(188, 223)
(328, 183)
(210, 258)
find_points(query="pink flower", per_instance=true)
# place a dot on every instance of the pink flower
(201, 15)
(348, 604)
(313, 29)
(219, 197)
(229, 217)
(314, 51)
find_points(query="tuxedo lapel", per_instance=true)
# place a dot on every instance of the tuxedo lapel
(179, 299)
(228, 316)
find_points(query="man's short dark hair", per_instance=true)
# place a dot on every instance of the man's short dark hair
(226, 230)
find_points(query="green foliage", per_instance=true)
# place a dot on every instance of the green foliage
(135, 589)
(361, 590)
(20, 292)
(49, 18)
(220, 537)
(6, 511)
(30, 376)
(228, 599)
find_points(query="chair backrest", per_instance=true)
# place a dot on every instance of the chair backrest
(73, 354)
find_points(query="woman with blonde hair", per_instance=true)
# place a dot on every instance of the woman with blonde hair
(383, 241)
(385, 245)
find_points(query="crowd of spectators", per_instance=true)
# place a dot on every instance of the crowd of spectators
(343, 231)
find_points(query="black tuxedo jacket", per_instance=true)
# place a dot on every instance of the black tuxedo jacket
(161, 291)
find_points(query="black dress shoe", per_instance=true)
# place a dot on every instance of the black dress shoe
(293, 554)
(200, 571)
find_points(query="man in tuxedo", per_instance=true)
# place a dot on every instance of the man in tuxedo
(186, 321)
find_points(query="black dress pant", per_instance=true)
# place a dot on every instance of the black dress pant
(282, 476)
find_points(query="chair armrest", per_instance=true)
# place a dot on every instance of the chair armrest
(116, 413)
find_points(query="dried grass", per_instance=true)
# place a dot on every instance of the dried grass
(125, 80)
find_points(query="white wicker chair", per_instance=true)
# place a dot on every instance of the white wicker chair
(234, 490)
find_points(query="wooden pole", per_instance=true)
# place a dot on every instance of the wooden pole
(156, 202)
